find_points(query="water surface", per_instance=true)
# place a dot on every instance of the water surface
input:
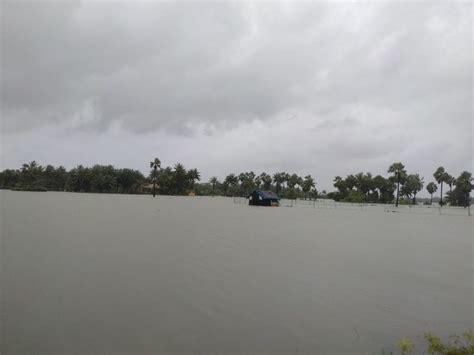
(94, 273)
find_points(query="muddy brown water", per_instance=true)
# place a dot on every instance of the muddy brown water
(91, 273)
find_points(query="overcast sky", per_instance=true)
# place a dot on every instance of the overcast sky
(313, 88)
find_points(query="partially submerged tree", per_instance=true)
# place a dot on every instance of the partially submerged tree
(431, 187)
(399, 175)
(413, 184)
(460, 195)
(440, 176)
(307, 185)
(213, 181)
(154, 165)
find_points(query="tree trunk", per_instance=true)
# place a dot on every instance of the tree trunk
(154, 181)
(441, 195)
(398, 192)
(431, 199)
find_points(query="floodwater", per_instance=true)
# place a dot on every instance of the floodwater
(90, 273)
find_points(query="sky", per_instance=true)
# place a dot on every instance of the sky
(320, 88)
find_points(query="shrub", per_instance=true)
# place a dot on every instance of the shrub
(456, 345)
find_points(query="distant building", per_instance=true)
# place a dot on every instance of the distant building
(263, 198)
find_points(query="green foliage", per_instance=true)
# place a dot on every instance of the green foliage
(460, 195)
(441, 176)
(230, 184)
(9, 178)
(369, 189)
(265, 181)
(214, 182)
(285, 185)
(413, 184)
(176, 181)
(406, 346)
(356, 188)
(431, 188)
(399, 177)
(355, 197)
(279, 179)
(308, 185)
(404, 202)
(247, 183)
(456, 345)
(99, 178)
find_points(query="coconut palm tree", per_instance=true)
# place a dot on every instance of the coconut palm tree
(154, 165)
(399, 174)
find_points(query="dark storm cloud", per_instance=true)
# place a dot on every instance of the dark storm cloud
(151, 63)
(366, 81)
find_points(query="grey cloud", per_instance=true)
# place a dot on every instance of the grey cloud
(150, 64)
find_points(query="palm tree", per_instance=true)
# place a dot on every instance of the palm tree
(291, 182)
(399, 173)
(213, 181)
(450, 180)
(193, 175)
(230, 180)
(265, 180)
(440, 176)
(180, 179)
(431, 187)
(279, 179)
(155, 165)
(307, 185)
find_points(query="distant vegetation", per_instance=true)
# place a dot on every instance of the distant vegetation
(99, 178)
(399, 186)
(284, 184)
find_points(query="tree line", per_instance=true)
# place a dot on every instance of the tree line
(172, 181)
(99, 178)
(398, 187)
(402, 187)
(286, 185)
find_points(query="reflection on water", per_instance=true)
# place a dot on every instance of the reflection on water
(132, 274)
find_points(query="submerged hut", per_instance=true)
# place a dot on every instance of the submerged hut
(263, 198)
